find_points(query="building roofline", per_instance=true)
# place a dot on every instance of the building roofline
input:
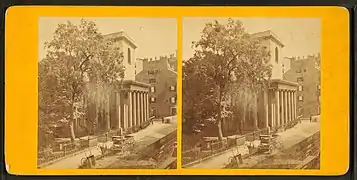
(268, 34)
(132, 82)
(281, 81)
(123, 35)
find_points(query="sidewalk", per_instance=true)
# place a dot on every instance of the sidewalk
(150, 134)
(74, 161)
(288, 138)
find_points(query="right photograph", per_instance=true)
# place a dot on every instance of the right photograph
(251, 93)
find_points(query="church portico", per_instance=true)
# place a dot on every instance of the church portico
(281, 102)
(126, 104)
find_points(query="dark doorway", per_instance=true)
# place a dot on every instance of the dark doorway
(173, 111)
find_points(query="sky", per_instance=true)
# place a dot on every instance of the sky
(301, 36)
(154, 36)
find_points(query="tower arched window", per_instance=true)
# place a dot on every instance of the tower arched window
(129, 56)
(276, 55)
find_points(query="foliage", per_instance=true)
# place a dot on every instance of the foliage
(226, 61)
(78, 57)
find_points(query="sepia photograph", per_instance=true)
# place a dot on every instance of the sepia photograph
(251, 93)
(107, 93)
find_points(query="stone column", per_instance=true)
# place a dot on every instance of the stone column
(286, 107)
(130, 106)
(292, 106)
(143, 101)
(147, 105)
(277, 112)
(282, 109)
(295, 115)
(141, 107)
(133, 121)
(266, 104)
(138, 115)
(143, 104)
(137, 122)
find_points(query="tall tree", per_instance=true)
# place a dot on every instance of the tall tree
(224, 55)
(76, 56)
(256, 61)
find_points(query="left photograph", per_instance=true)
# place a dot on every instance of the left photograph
(107, 93)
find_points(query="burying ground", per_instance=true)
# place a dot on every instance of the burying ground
(287, 138)
(142, 139)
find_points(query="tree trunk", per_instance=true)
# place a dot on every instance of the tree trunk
(96, 113)
(255, 112)
(219, 118)
(71, 119)
(219, 126)
(244, 113)
(71, 126)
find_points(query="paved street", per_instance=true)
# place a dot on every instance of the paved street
(288, 139)
(144, 137)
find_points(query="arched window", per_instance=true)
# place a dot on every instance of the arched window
(129, 56)
(276, 55)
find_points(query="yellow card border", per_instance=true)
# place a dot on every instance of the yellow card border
(21, 57)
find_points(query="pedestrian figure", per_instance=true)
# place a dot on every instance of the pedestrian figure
(163, 120)
(152, 121)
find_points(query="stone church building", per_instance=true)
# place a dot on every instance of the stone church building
(127, 106)
(276, 105)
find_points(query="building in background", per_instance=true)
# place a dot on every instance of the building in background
(161, 75)
(286, 64)
(306, 72)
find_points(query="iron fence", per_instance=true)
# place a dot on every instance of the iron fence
(60, 150)
(216, 148)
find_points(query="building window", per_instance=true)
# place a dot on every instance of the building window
(276, 55)
(300, 98)
(173, 100)
(152, 89)
(152, 99)
(300, 88)
(152, 81)
(304, 70)
(300, 79)
(172, 88)
(153, 72)
(153, 112)
(129, 56)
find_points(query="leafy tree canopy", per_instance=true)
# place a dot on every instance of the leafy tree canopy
(226, 60)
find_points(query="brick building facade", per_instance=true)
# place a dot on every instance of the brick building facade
(161, 75)
(306, 72)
